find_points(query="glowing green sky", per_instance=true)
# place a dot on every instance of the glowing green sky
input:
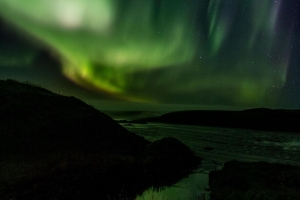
(218, 52)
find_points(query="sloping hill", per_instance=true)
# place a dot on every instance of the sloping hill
(57, 147)
(37, 118)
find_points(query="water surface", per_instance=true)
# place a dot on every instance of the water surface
(226, 144)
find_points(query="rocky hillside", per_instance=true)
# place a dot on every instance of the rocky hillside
(58, 147)
(36, 118)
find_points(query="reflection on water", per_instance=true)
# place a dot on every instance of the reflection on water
(192, 187)
(225, 144)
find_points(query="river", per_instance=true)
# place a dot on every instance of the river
(216, 146)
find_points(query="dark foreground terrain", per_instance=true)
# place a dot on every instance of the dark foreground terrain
(256, 181)
(57, 147)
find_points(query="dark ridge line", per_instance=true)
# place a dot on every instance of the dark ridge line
(264, 119)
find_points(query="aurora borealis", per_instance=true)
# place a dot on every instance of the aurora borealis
(205, 52)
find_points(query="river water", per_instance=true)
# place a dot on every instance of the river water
(223, 144)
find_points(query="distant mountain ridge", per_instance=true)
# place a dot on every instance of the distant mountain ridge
(258, 119)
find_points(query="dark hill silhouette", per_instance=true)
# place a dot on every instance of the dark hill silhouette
(30, 113)
(258, 119)
(58, 147)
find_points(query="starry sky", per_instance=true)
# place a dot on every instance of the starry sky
(214, 54)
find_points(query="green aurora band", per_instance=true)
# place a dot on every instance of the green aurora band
(227, 52)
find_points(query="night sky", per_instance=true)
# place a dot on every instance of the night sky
(206, 54)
